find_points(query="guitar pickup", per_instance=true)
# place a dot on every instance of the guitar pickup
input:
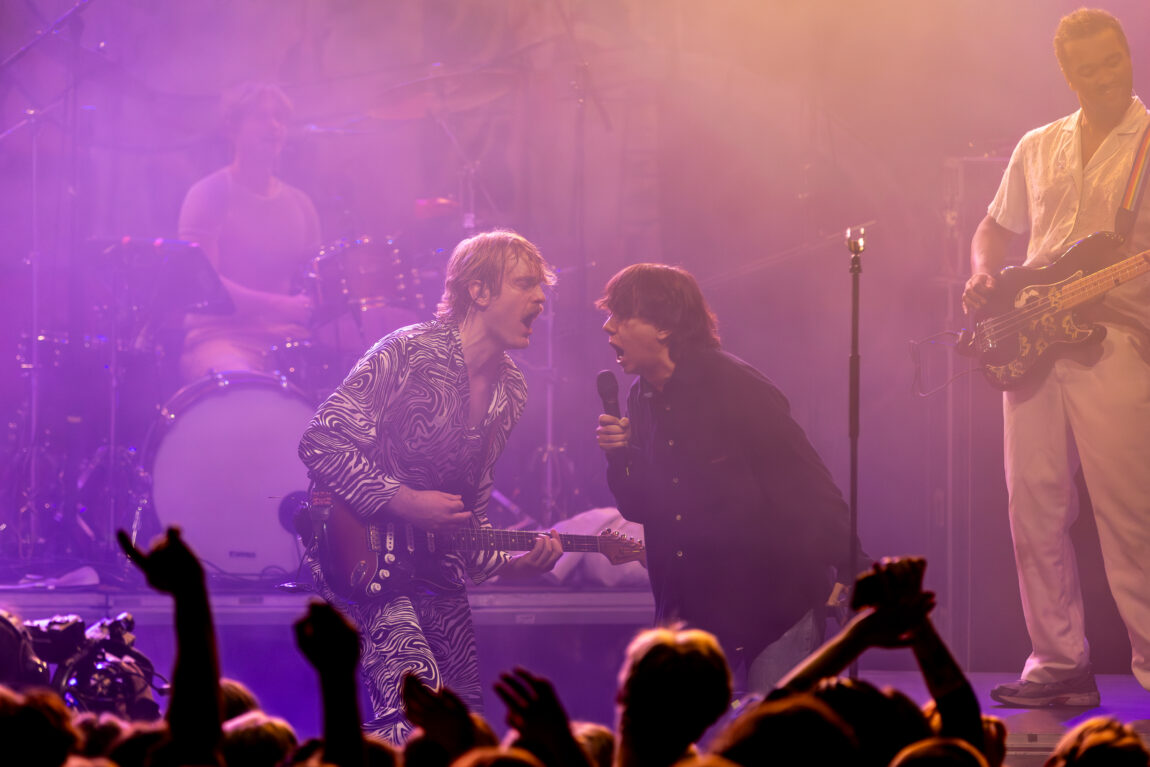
(390, 540)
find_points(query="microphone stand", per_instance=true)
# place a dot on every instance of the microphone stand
(856, 243)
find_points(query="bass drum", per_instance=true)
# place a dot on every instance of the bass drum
(222, 460)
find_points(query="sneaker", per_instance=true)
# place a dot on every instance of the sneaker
(1080, 691)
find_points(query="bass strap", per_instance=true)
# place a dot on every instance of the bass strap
(1135, 186)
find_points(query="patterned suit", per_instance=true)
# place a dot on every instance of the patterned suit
(400, 418)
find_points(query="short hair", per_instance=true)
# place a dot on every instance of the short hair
(674, 683)
(937, 751)
(1083, 23)
(258, 740)
(236, 699)
(237, 102)
(1097, 741)
(596, 740)
(490, 756)
(670, 299)
(486, 257)
(791, 730)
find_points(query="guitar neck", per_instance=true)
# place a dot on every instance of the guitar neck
(487, 539)
(1093, 285)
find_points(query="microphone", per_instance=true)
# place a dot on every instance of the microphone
(608, 386)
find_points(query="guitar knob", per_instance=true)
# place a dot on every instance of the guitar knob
(375, 588)
(389, 558)
(385, 574)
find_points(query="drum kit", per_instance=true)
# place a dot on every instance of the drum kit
(111, 441)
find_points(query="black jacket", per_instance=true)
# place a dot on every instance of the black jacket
(742, 520)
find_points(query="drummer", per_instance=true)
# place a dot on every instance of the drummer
(257, 231)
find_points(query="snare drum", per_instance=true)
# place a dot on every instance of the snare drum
(222, 457)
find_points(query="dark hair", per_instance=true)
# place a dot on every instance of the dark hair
(792, 730)
(673, 685)
(236, 699)
(939, 752)
(669, 298)
(1097, 741)
(1083, 23)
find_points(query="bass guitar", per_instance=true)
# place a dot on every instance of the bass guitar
(1030, 318)
(365, 560)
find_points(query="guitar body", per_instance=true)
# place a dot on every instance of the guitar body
(364, 560)
(361, 560)
(1030, 318)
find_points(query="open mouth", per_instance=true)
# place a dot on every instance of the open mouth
(618, 350)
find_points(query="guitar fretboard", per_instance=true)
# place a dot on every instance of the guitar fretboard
(1093, 285)
(486, 539)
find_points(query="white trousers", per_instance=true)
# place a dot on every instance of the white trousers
(1098, 414)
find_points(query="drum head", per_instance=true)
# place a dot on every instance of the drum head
(224, 459)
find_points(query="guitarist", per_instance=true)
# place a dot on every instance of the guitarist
(1064, 181)
(413, 434)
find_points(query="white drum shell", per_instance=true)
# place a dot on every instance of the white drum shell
(222, 459)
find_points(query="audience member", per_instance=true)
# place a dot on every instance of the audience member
(255, 739)
(796, 730)
(1100, 740)
(939, 752)
(673, 685)
(236, 699)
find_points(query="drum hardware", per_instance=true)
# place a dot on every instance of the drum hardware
(150, 284)
(364, 288)
(444, 92)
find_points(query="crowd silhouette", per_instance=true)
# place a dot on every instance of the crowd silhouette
(673, 703)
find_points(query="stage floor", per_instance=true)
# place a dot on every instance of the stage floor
(576, 637)
(1033, 733)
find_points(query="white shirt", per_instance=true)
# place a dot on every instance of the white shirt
(1046, 190)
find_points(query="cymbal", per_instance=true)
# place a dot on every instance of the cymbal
(443, 94)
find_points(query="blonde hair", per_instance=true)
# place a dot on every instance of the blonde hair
(486, 257)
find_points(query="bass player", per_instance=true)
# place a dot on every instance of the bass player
(1065, 181)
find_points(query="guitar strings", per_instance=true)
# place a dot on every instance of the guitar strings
(1006, 324)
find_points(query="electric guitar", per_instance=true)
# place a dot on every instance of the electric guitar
(1030, 318)
(365, 560)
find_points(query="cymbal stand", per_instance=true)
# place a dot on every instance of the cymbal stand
(34, 366)
(469, 181)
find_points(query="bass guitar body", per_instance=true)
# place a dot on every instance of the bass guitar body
(1030, 319)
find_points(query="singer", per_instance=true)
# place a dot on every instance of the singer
(742, 520)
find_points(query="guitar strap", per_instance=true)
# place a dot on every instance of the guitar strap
(1135, 186)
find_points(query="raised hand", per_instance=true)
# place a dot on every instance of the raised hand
(533, 708)
(442, 715)
(327, 640)
(170, 566)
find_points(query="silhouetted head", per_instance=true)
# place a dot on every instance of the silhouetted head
(1100, 740)
(673, 685)
(884, 721)
(255, 739)
(939, 752)
(796, 730)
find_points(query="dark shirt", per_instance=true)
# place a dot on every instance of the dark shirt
(741, 518)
